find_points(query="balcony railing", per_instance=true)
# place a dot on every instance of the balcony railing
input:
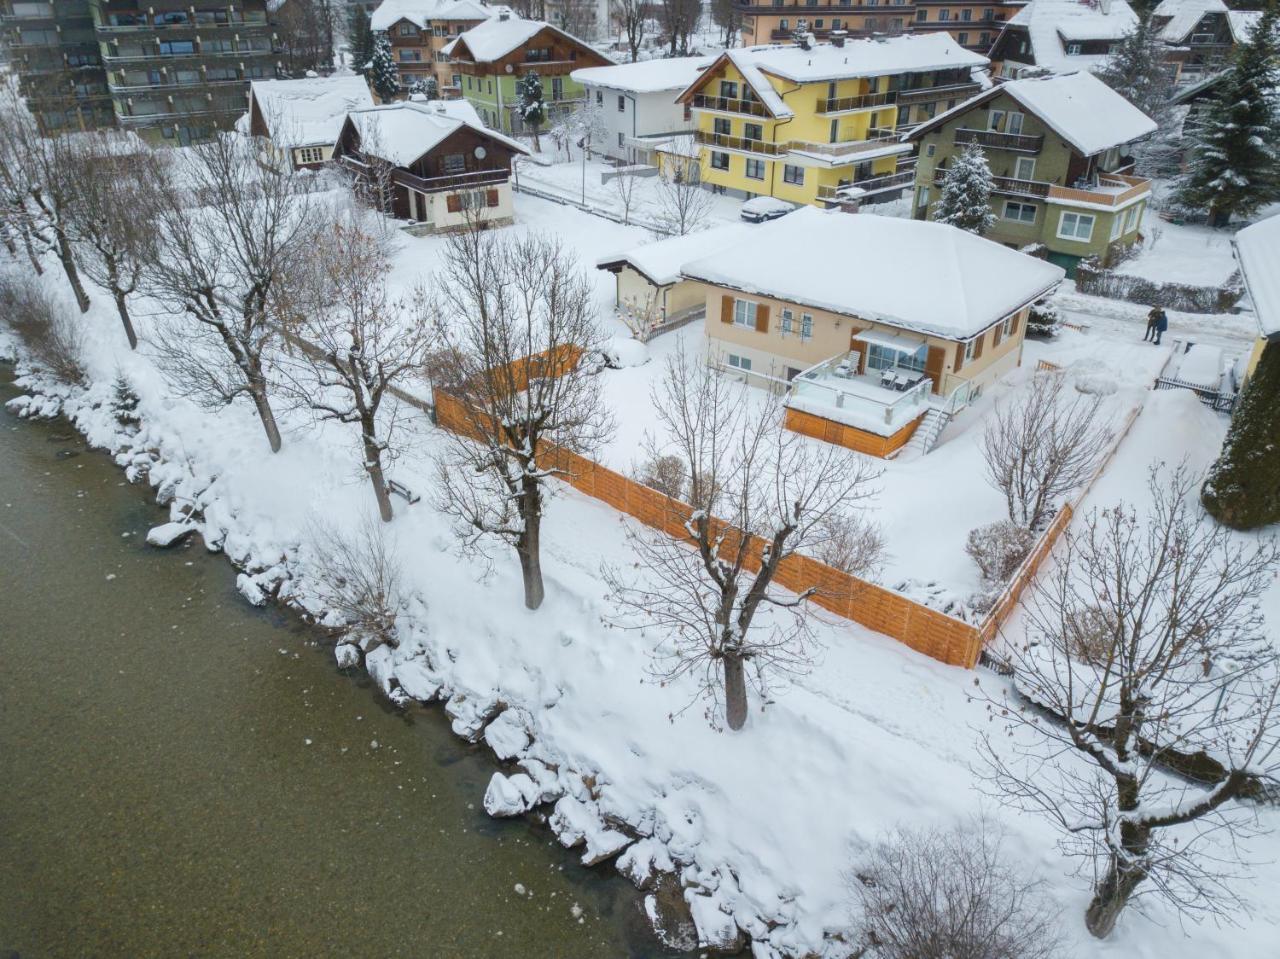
(742, 144)
(730, 105)
(1111, 189)
(899, 179)
(145, 119)
(946, 91)
(876, 138)
(197, 55)
(460, 181)
(111, 29)
(866, 101)
(132, 89)
(835, 390)
(1017, 142)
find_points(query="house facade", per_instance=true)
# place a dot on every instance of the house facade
(764, 23)
(1056, 147)
(430, 162)
(419, 30)
(636, 104)
(1061, 36)
(821, 305)
(1257, 250)
(490, 59)
(822, 124)
(301, 119)
(973, 24)
(1201, 34)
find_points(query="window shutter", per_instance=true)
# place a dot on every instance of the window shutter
(995, 337)
(762, 318)
(1013, 326)
(726, 309)
(977, 345)
(933, 366)
(959, 356)
(861, 347)
(453, 203)
(492, 197)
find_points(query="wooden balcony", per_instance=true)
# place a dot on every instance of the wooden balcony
(944, 92)
(461, 181)
(741, 144)
(730, 105)
(1111, 189)
(867, 101)
(901, 178)
(995, 140)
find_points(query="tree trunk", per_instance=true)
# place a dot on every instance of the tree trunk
(373, 464)
(259, 393)
(1111, 896)
(123, 308)
(735, 691)
(67, 256)
(31, 254)
(529, 546)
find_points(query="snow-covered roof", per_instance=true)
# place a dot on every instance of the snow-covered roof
(1258, 250)
(498, 36)
(1078, 107)
(660, 262)
(402, 132)
(1183, 16)
(1051, 24)
(881, 56)
(644, 76)
(310, 110)
(1242, 23)
(422, 12)
(865, 266)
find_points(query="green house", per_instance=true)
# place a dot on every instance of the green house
(1058, 151)
(491, 58)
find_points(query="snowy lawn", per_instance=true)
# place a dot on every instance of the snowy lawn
(1188, 253)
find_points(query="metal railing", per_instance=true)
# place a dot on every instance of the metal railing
(922, 94)
(873, 184)
(173, 85)
(197, 55)
(730, 105)
(1017, 142)
(865, 101)
(876, 137)
(728, 142)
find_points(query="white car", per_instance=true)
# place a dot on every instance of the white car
(761, 208)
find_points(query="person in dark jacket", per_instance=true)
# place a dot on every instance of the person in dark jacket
(1151, 324)
(1162, 324)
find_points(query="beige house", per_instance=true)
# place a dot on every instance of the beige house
(874, 326)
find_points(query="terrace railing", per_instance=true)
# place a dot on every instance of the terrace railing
(730, 105)
(1017, 142)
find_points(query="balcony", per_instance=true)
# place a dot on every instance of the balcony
(883, 140)
(901, 178)
(150, 119)
(730, 105)
(196, 55)
(867, 101)
(107, 30)
(878, 401)
(741, 144)
(995, 140)
(461, 181)
(166, 88)
(945, 92)
(1109, 189)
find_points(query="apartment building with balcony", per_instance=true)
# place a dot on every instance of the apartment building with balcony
(1057, 147)
(53, 51)
(822, 124)
(1061, 36)
(178, 73)
(1201, 34)
(419, 30)
(781, 21)
(493, 57)
(974, 24)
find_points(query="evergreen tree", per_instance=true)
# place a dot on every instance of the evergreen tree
(432, 88)
(1235, 166)
(360, 39)
(1138, 71)
(532, 110)
(382, 69)
(124, 403)
(1243, 487)
(966, 192)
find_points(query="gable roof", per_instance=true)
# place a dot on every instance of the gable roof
(498, 36)
(1051, 24)
(310, 110)
(875, 57)
(1258, 250)
(861, 265)
(1183, 16)
(645, 76)
(422, 12)
(403, 132)
(1078, 107)
(661, 261)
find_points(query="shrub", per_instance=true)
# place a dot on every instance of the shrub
(1243, 487)
(849, 544)
(999, 549)
(359, 580)
(666, 474)
(124, 402)
(1043, 320)
(54, 342)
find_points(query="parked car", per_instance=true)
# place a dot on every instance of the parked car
(761, 208)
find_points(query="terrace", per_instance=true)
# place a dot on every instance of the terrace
(1106, 189)
(890, 393)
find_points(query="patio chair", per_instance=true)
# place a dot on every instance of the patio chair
(888, 379)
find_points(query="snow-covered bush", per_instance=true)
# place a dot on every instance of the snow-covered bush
(999, 549)
(359, 579)
(950, 894)
(1043, 320)
(124, 403)
(55, 343)
(667, 474)
(850, 544)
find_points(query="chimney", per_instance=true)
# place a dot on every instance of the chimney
(837, 37)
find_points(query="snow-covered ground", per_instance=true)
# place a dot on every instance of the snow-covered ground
(761, 824)
(1188, 253)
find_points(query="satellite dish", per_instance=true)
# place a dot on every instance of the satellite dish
(510, 68)
(480, 153)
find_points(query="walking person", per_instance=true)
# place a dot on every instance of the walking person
(1162, 323)
(1151, 324)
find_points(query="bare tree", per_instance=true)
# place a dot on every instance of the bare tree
(54, 343)
(1041, 445)
(114, 187)
(305, 30)
(576, 17)
(358, 342)
(520, 315)
(631, 18)
(359, 578)
(37, 171)
(1147, 645)
(224, 235)
(679, 21)
(626, 187)
(950, 894)
(727, 15)
(682, 205)
(759, 494)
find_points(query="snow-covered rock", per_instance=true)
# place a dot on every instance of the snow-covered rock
(507, 735)
(624, 351)
(575, 823)
(381, 665)
(169, 534)
(509, 795)
(470, 713)
(417, 681)
(347, 655)
(250, 590)
(716, 929)
(644, 861)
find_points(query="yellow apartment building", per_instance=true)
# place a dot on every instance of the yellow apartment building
(822, 123)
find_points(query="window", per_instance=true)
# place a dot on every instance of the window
(453, 164)
(1024, 168)
(740, 362)
(410, 56)
(962, 38)
(1075, 226)
(788, 322)
(1020, 212)
(1073, 49)
(752, 131)
(793, 175)
(744, 313)
(806, 326)
(922, 16)
(755, 169)
(887, 358)
(922, 196)
(984, 39)
(1010, 322)
(1117, 225)
(557, 88)
(930, 149)
(456, 80)
(729, 89)
(719, 161)
(817, 24)
(621, 137)
(1013, 124)
(970, 350)
(177, 47)
(995, 119)
(784, 24)
(622, 104)
(311, 155)
(944, 15)
(1131, 218)
(835, 23)
(490, 88)
(408, 30)
(966, 14)
(599, 98)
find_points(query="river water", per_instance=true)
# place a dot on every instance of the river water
(184, 776)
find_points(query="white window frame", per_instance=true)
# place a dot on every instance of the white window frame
(1117, 226)
(806, 326)
(994, 119)
(1018, 163)
(1014, 119)
(310, 154)
(1007, 330)
(1079, 218)
(1073, 49)
(969, 348)
(715, 155)
(922, 196)
(1131, 218)
(787, 324)
(1021, 206)
(740, 362)
(745, 313)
